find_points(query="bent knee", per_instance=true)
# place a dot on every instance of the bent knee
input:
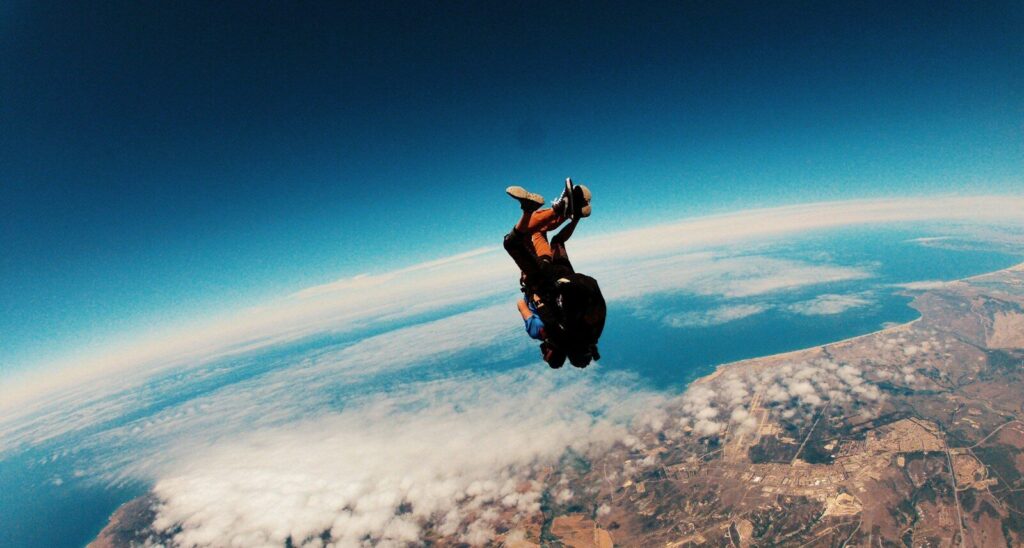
(513, 240)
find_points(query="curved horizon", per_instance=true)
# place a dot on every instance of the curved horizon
(466, 277)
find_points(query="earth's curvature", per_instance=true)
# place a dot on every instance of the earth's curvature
(403, 406)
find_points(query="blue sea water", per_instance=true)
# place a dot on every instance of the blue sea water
(44, 503)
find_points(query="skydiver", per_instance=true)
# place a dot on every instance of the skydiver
(560, 307)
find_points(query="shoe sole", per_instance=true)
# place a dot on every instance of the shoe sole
(584, 193)
(523, 195)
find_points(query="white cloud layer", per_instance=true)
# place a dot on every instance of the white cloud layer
(718, 274)
(289, 391)
(394, 465)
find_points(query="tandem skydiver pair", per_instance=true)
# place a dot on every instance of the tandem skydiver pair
(562, 308)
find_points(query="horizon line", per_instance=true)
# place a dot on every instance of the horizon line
(294, 316)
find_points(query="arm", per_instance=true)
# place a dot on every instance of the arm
(534, 325)
(524, 310)
(565, 233)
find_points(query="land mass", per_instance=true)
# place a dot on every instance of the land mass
(910, 436)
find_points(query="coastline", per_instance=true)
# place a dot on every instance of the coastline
(762, 361)
(781, 356)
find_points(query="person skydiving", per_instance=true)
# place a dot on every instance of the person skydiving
(560, 307)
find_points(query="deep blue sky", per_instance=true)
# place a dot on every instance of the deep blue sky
(161, 160)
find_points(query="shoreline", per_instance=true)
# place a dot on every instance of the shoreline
(721, 369)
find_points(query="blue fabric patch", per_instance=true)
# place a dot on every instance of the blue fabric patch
(534, 325)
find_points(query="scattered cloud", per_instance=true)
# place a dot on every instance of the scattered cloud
(963, 236)
(792, 390)
(830, 304)
(923, 285)
(714, 316)
(929, 239)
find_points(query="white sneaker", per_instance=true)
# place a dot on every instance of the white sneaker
(528, 200)
(563, 205)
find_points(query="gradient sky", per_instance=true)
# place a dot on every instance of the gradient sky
(161, 161)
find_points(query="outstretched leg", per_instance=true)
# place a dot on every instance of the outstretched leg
(517, 242)
(541, 220)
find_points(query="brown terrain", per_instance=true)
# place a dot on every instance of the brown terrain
(911, 436)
